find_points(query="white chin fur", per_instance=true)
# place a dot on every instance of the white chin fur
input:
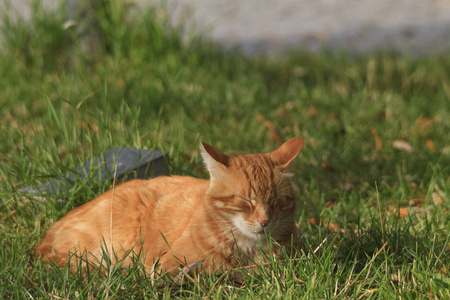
(253, 234)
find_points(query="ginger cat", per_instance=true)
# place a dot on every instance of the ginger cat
(181, 220)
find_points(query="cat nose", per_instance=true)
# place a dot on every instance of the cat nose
(264, 222)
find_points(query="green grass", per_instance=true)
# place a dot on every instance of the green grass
(147, 89)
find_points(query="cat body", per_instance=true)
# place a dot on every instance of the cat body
(180, 220)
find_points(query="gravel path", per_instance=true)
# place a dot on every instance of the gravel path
(267, 26)
(274, 26)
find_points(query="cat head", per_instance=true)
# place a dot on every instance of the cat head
(252, 191)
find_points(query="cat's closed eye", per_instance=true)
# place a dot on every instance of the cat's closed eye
(249, 201)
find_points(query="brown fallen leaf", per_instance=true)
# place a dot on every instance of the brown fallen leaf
(313, 221)
(348, 187)
(312, 111)
(330, 203)
(423, 123)
(329, 225)
(332, 226)
(88, 126)
(121, 83)
(401, 212)
(417, 201)
(332, 116)
(274, 134)
(430, 146)
(326, 166)
(286, 109)
(378, 141)
(437, 199)
(403, 146)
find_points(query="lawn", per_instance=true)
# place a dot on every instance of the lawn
(372, 181)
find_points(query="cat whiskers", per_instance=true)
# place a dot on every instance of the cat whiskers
(233, 231)
(206, 208)
(214, 225)
(279, 191)
(219, 222)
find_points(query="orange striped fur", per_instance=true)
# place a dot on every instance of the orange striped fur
(182, 220)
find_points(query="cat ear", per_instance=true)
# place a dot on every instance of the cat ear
(287, 152)
(215, 161)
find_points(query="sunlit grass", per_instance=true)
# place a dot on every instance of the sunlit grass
(372, 180)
